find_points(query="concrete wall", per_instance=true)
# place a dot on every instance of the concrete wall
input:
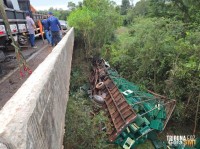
(34, 117)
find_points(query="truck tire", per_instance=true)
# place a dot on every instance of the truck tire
(100, 85)
(22, 40)
(9, 4)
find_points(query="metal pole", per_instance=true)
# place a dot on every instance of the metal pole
(155, 108)
(142, 101)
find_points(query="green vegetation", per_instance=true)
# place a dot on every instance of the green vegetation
(59, 13)
(158, 48)
(148, 55)
(160, 51)
(125, 6)
(83, 130)
(95, 23)
(83, 125)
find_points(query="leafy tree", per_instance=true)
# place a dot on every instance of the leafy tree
(162, 55)
(90, 23)
(159, 49)
(142, 8)
(125, 6)
(81, 19)
(71, 5)
(185, 10)
(63, 14)
(80, 4)
(59, 13)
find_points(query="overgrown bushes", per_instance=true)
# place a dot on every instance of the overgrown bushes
(94, 24)
(83, 127)
(81, 130)
(159, 50)
(162, 55)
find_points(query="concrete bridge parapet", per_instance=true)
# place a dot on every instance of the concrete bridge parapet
(34, 118)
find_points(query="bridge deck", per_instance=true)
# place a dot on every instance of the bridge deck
(10, 79)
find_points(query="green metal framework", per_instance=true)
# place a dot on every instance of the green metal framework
(151, 112)
(146, 112)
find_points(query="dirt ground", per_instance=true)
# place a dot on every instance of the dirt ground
(11, 84)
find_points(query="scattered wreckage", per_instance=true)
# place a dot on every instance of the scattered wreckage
(134, 115)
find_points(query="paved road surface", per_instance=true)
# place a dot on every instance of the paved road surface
(10, 84)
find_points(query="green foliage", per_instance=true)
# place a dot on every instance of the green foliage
(80, 71)
(125, 6)
(81, 19)
(159, 50)
(163, 55)
(59, 13)
(146, 145)
(141, 8)
(71, 5)
(185, 10)
(82, 129)
(76, 81)
(89, 22)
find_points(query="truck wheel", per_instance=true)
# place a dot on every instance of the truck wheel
(22, 40)
(100, 85)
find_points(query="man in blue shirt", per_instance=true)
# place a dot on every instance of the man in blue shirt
(45, 25)
(55, 28)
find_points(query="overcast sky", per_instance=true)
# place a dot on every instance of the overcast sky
(46, 4)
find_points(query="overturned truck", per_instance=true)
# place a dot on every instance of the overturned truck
(133, 114)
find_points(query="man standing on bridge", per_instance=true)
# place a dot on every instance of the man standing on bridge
(45, 25)
(31, 29)
(55, 28)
